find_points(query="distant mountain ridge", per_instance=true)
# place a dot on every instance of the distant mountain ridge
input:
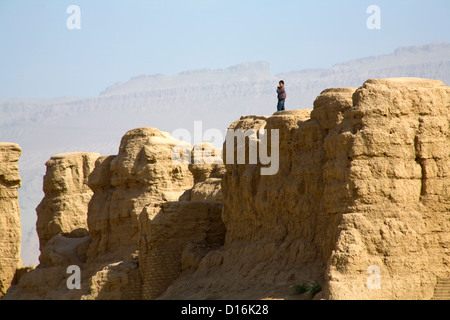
(251, 78)
(250, 71)
(404, 61)
(44, 127)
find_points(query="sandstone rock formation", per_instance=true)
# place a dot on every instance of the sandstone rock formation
(142, 173)
(10, 231)
(393, 177)
(362, 192)
(208, 170)
(63, 210)
(123, 185)
(61, 226)
(175, 236)
(360, 204)
(142, 176)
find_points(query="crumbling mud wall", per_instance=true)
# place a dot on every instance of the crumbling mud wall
(10, 230)
(360, 203)
(394, 183)
(63, 210)
(175, 236)
(91, 218)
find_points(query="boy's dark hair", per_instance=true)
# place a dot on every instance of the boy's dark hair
(281, 81)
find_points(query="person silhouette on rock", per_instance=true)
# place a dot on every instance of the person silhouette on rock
(281, 91)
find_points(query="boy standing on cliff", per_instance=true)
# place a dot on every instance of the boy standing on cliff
(281, 96)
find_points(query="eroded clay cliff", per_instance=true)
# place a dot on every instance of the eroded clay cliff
(362, 190)
(63, 210)
(359, 203)
(10, 231)
(99, 211)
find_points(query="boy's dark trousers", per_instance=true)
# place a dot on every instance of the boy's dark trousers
(280, 106)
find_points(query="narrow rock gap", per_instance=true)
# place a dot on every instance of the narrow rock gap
(420, 161)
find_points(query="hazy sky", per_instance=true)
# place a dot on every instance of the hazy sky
(40, 57)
